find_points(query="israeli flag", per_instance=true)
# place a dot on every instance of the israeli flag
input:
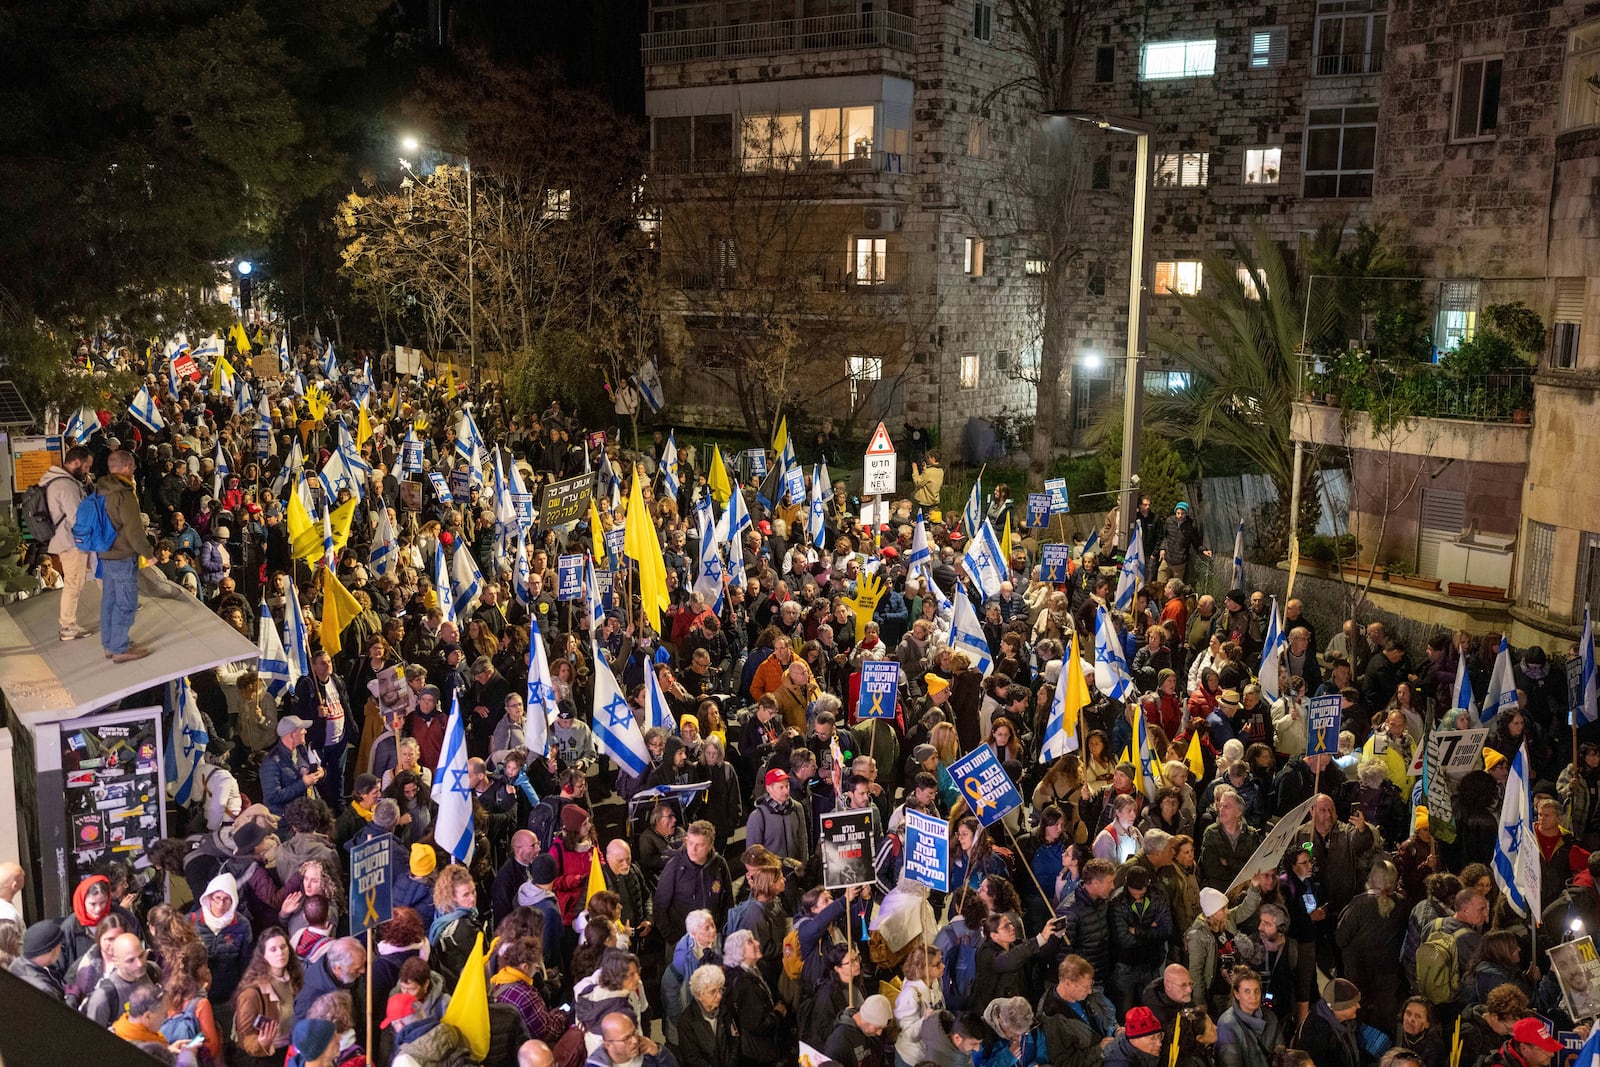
(466, 581)
(385, 546)
(296, 643)
(1516, 851)
(1092, 544)
(506, 524)
(293, 467)
(173, 385)
(330, 365)
(591, 595)
(299, 383)
(708, 583)
(1146, 756)
(83, 425)
(541, 699)
(283, 349)
(222, 472)
(1057, 741)
(966, 633)
(264, 423)
(972, 516)
(336, 475)
(656, 712)
(614, 725)
(352, 456)
(209, 349)
(469, 447)
(1461, 690)
(521, 571)
(669, 468)
(735, 521)
(984, 561)
(365, 388)
(273, 664)
(649, 379)
(610, 482)
(1110, 664)
(245, 399)
(328, 557)
(1502, 691)
(189, 740)
(441, 585)
(816, 514)
(452, 826)
(1586, 709)
(1132, 573)
(1238, 557)
(946, 607)
(145, 410)
(1272, 649)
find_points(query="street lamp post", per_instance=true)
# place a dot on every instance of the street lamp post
(411, 144)
(1138, 288)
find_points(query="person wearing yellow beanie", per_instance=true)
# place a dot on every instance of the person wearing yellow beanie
(423, 860)
(937, 687)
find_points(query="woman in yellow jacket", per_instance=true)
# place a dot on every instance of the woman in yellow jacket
(928, 480)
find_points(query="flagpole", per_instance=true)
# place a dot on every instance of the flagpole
(368, 1011)
(1029, 867)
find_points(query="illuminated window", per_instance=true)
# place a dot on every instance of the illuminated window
(870, 260)
(1268, 47)
(863, 370)
(1189, 169)
(1247, 278)
(557, 203)
(1178, 59)
(969, 371)
(1178, 276)
(972, 256)
(1262, 166)
(841, 133)
(772, 142)
(1458, 314)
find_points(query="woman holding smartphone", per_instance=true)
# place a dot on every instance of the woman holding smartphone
(1307, 902)
(263, 1005)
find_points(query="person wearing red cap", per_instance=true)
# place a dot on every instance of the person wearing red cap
(778, 822)
(1530, 1045)
(1138, 1042)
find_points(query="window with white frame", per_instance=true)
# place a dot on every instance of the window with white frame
(1341, 144)
(969, 370)
(1541, 546)
(983, 20)
(1250, 282)
(839, 134)
(1580, 104)
(1166, 382)
(1180, 277)
(1036, 266)
(1162, 60)
(557, 204)
(1457, 319)
(1568, 325)
(772, 141)
(1349, 38)
(1183, 169)
(1478, 97)
(863, 371)
(869, 260)
(1586, 590)
(972, 256)
(1262, 166)
(1269, 47)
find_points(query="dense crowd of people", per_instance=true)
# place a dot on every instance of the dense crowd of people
(1117, 917)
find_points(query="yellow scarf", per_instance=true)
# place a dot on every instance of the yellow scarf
(365, 813)
(509, 976)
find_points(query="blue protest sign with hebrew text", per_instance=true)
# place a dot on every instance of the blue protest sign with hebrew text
(927, 851)
(1038, 510)
(1056, 490)
(441, 490)
(370, 866)
(880, 686)
(1322, 726)
(988, 789)
(1053, 562)
(569, 577)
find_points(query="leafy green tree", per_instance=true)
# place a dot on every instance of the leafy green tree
(1163, 474)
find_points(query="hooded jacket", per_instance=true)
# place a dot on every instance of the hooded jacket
(937, 1048)
(122, 507)
(63, 493)
(542, 899)
(1121, 1053)
(228, 940)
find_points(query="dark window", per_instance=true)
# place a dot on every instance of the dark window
(983, 20)
(1100, 174)
(713, 142)
(1096, 281)
(1105, 63)
(1478, 98)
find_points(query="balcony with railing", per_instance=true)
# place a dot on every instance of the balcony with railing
(1347, 63)
(866, 273)
(824, 33)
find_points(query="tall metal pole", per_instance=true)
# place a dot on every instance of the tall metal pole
(472, 290)
(1133, 367)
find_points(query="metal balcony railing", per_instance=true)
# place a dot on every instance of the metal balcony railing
(1348, 63)
(877, 276)
(1426, 391)
(823, 33)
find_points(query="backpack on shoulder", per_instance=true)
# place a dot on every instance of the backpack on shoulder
(961, 970)
(92, 530)
(36, 514)
(1439, 964)
(184, 1026)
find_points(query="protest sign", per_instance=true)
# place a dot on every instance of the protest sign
(1053, 562)
(524, 506)
(461, 485)
(988, 789)
(880, 685)
(1056, 490)
(411, 456)
(1038, 510)
(441, 490)
(1270, 852)
(566, 501)
(569, 577)
(1322, 726)
(927, 851)
(1578, 971)
(847, 849)
(1457, 751)
(370, 902)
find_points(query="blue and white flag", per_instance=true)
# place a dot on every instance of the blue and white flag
(220, 478)
(615, 728)
(1092, 544)
(1502, 691)
(1110, 664)
(656, 712)
(591, 596)
(245, 399)
(452, 827)
(521, 571)
(817, 512)
(966, 633)
(650, 391)
(1589, 1054)
(385, 547)
(541, 698)
(506, 524)
(364, 389)
(296, 638)
(470, 447)
(283, 349)
(1057, 740)
(1238, 557)
(330, 365)
(83, 425)
(1273, 645)
(293, 470)
(610, 484)
(1146, 755)
(985, 562)
(1461, 689)
(1131, 575)
(298, 382)
(466, 581)
(186, 747)
(1516, 850)
(1586, 710)
(669, 468)
(708, 582)
(145, 410)
(441, 585)
(209, 348)
(273, 664)
(336, 474)
(972, 516)
(735, 523)
(920, 554)
(263, 434)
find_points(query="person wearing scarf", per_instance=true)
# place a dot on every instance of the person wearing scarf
(91, 902)
(514, 984)
(455, 926)
(226, 934)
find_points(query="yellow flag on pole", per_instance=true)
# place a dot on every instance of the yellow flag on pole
(641, 545)
(339, 608)
(240, 339)
(469, 1004)
(597, 877)
(597, 531)
(300, 524)
(1077, 697)
(1196, 762)
(307, 545)
(1005, 538)
(363, 426)
(717, 479)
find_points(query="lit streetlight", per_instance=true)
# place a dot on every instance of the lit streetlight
(413, 146)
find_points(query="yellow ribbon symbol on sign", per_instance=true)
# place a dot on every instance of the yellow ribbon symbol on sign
(372, 908)
(974, 791)
(876, 711)
(1322, 741)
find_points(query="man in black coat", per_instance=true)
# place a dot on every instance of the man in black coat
(483, 705)
(695, 877)
(512, 873)
(320, 698)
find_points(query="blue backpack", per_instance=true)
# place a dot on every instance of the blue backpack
(92, 530)
(961, 970)
(184, 1026)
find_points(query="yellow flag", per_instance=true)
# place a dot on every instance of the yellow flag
(717, 478)
(1455, 1045)
(240, 339)
(363, 426)
(597, 877)
(308, 544)
(1177, 1029)
(261, 335)
(338, 609)
(450, 380)
(597, 532)
(780, 436)
(1196, 762)
(1005, 538)
(222, 374)
(300, 524)
(641, 545)
(1077, 696)
(469, 1004)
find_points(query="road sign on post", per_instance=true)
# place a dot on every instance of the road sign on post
(878, 471)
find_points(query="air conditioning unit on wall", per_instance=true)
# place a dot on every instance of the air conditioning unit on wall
(880, 219)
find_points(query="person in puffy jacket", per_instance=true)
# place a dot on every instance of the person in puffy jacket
(225, 932)
(695, 877)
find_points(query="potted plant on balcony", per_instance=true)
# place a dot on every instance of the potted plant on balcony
(1404, 574)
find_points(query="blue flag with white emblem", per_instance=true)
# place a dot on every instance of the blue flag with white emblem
(189, 740)
(615, 728)
(452, 828)
(541, 700)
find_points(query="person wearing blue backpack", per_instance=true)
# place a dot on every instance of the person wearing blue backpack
(115, 505)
